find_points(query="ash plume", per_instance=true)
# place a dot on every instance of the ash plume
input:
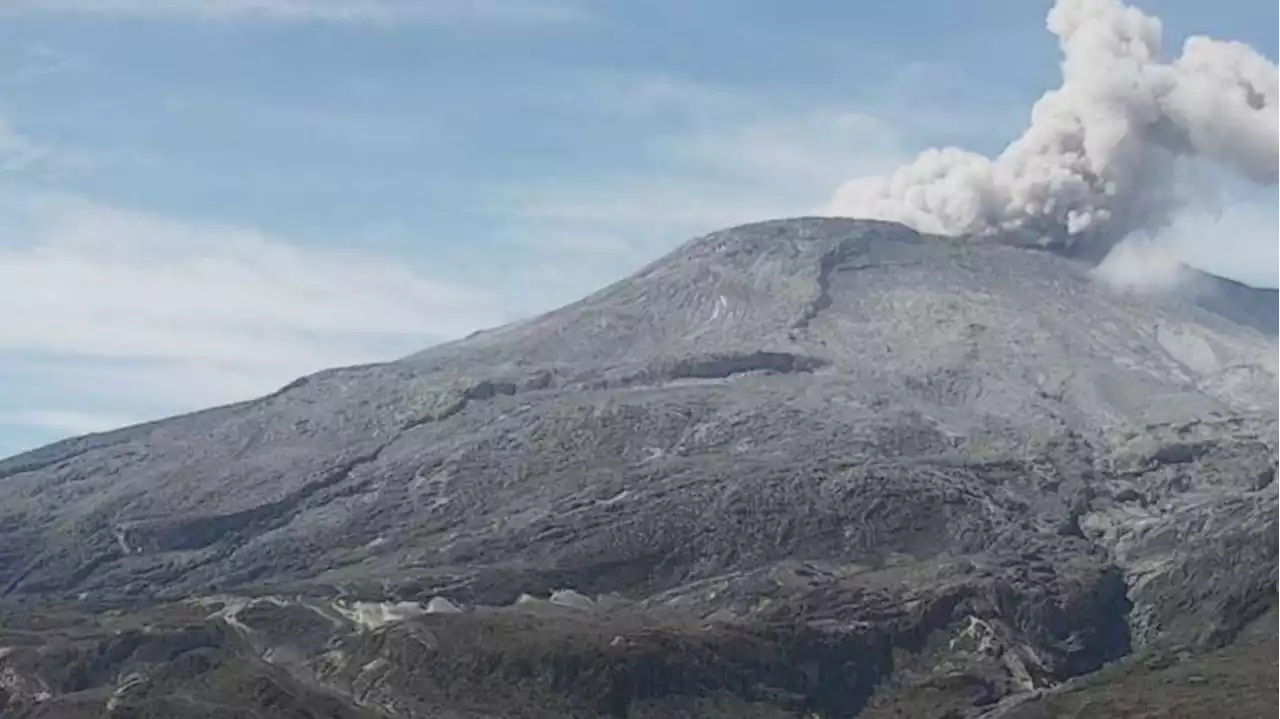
(1100, 157)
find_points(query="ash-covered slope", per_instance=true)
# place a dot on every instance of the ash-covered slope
(887, 442)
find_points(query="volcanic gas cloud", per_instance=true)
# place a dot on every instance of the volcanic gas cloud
(1098, 161)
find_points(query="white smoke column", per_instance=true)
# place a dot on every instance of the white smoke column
(1097, 161)
(1140, 266)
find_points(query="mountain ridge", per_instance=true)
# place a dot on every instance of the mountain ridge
(1250, 306)
(836, 440)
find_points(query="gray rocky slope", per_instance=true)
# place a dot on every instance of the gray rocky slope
(902, 468)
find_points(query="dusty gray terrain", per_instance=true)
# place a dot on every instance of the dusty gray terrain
(809, 467)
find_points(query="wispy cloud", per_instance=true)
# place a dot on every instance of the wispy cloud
(430, 12)
(156, 316)
(34, 62)
(722, 156)
(70, 422)
(17, 151)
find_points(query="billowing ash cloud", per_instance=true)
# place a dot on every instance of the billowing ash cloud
(1098, 160)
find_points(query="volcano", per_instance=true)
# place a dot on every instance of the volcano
(804, 467)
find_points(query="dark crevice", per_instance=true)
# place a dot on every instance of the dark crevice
(724, 366)
(713, 367)
(833, 261)
(707, 367)
(489, 389)
(822, 302)
(482, 391)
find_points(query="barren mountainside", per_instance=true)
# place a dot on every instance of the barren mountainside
(806, 467)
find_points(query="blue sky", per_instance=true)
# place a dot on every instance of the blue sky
(203, 199)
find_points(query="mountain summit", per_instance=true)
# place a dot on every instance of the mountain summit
(821, 466)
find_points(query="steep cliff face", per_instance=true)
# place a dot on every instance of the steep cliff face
(820, 465)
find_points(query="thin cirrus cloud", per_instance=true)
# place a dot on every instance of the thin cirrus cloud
(724, 156)
(16, 150)
(143, 315)
(70, 421)
(427, 12)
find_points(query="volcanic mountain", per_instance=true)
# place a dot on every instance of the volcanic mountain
(805, 467)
